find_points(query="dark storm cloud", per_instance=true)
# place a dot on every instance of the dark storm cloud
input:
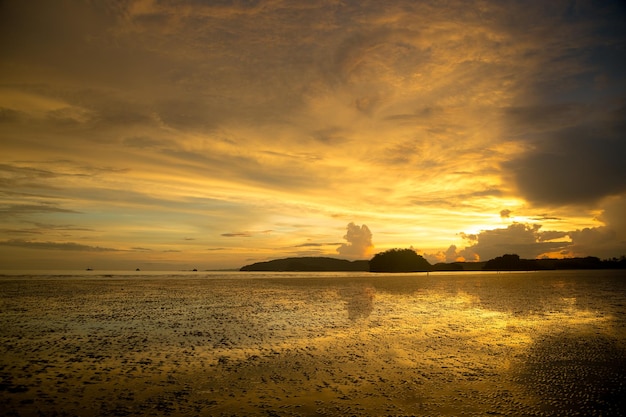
(571, 116)
(575, 166)
(541, 118)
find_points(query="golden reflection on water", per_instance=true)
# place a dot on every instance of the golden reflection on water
(317, 345)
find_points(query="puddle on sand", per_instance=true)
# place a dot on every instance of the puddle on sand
(508, 344)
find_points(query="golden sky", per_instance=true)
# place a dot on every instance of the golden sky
(213, 134)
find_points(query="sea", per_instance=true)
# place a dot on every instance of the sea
(224, 343)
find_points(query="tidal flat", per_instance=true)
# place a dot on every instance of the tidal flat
(314, 344)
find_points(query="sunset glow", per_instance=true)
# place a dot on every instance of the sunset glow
(179, 135)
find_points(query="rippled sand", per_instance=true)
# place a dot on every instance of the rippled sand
(301, 344)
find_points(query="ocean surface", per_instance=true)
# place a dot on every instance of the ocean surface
(101, 343)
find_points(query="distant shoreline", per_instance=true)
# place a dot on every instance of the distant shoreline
(501, 263)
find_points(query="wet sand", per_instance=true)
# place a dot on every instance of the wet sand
(535, 344)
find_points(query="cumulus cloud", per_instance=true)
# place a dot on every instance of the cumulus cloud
(525, 240)
(530, 241)
(452, 254)
(359, 243)
(605, 241)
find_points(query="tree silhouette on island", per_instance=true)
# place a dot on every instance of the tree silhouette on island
(399, 260)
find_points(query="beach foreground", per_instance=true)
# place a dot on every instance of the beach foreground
(548, 343)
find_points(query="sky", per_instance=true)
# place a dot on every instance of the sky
(160, 134)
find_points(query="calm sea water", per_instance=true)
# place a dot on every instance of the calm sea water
(241, 343)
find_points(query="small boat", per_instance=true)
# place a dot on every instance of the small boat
(137, 269)
(88, 269)
(195, 270)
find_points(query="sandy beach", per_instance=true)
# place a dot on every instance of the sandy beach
(247, 344)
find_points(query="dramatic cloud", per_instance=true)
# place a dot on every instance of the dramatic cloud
(525, 240)
(173, 125)
(580, 165)
(449, 255)
(530, 241)
(359, 242)
(571, 119)
(602, 241)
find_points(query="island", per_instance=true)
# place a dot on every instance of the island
(309, 264)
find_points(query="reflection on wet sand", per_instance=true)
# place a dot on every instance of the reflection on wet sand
(359, 301)
(511, 344)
